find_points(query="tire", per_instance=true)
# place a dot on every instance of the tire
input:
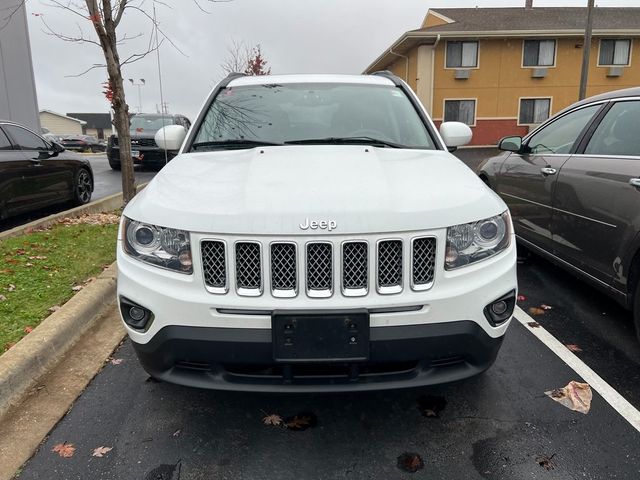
(636, 310)
(114, 165)
(82, 187)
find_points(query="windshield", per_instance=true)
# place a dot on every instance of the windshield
(149, 123)
(306, 113)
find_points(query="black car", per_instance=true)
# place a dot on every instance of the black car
(144, 149)
(82, 143)
(573, 188)
(35, 173)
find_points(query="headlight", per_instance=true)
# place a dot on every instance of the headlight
(163, 247)
(472, 242)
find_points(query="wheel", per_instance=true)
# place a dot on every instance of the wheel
(83, 187)
(636, 310)
(114, 165)
(95, 150)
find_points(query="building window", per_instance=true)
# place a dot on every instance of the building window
(460, 111)
(534, 110)
(462, 54)
(614, 52)
(539, 53)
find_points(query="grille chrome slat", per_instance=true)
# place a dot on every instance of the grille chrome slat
(284, 273)
(423, 262)
(319, 257)
(248, 268)
(389, 275)
(355, 268)
(214, 262)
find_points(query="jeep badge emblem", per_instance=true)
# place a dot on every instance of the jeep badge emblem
(322, 224)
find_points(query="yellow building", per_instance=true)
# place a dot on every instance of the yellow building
(504, 70)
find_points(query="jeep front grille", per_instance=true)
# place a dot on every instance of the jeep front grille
(355, 268)
(214, 264)
(309, 267)
(423, 262)
(319, 269)
(284, 276)
(248, 268)
(390, 266)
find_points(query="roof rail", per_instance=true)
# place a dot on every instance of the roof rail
(232, 76)
(390, 75)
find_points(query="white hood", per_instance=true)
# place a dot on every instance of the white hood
(272, 190)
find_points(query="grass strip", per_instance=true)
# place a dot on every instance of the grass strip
(40, 271)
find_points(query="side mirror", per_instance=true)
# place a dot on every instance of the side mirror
(455, 134)
(56, 147)
(510, 144)
(170, 137)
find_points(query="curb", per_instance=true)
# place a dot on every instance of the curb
(106, 204)
(31, 357)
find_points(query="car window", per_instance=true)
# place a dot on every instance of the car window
(560, 135)
(5, 144)
(618, 132)
(25, 139)
(297, 112)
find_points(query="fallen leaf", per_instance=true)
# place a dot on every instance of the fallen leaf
(522, 298)
(430, 405)
(65, 450)
(101, 451)
(76, 288)
(546, 307)
(55, 308)
(28, 330)
(410, 462)
(12, 287)
(301, 421)
(533, 324)
(575, 396)
(546, 462)
(2, 298)
(573, 348)
(536, 311)
(177, 433)
(272, 419)
(116, 361)
(28, 264)
(9, 345)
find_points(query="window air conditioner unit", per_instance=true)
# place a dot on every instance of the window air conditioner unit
(614, 72)
(539, 72)
(462, 74)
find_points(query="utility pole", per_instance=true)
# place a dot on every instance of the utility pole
(586, 51)
(139, 84)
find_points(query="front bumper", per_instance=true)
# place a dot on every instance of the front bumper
(148, 155)
(242, 359)
(225, 342)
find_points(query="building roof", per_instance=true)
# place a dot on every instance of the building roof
(61, 115)
(94, 120)
(535, 19)
(512, 22)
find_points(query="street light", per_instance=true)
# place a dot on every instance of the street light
(139, 84)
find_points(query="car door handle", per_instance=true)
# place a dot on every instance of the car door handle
(548, 171)
(634, 182)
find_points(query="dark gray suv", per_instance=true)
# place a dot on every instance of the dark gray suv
(573, 187)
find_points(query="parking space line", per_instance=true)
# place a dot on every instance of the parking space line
(606, 391)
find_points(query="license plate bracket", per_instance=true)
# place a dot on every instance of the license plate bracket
(331, 336)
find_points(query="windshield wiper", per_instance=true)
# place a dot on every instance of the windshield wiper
(376, 142)
(238, 142)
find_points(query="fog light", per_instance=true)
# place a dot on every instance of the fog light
(499, 307)
(136, 313)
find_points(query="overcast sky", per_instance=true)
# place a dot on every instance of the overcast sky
(319, 36)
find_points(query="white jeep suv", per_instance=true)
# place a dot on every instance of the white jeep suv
(314, 234)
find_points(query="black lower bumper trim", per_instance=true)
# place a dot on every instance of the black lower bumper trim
(242, 359)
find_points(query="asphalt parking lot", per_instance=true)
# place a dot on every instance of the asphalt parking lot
(496, 426)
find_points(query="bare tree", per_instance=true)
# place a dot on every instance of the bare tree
(244, 59)
(105, 17)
